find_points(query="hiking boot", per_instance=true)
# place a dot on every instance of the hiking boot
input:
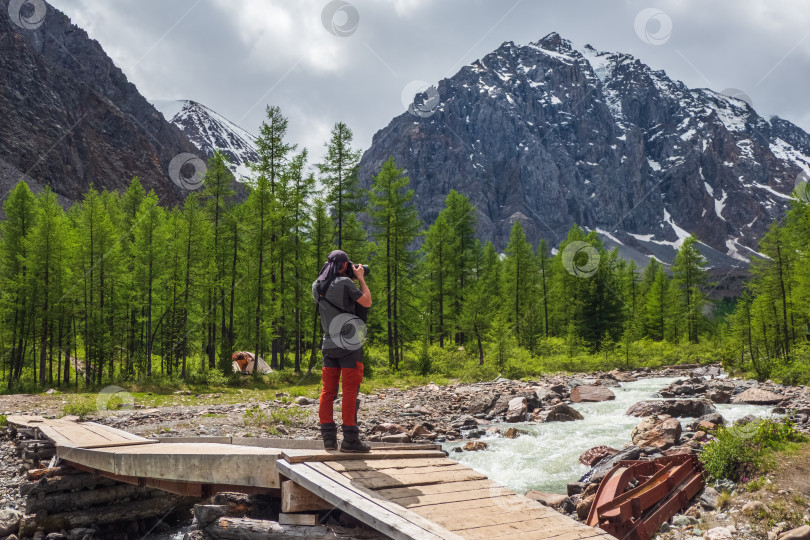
(351, 441)
(329, 435)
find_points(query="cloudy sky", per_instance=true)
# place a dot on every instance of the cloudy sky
(360, 61)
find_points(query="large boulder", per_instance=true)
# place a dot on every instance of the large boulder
(558, 413)
(658, 431)
(758, 396)
(688, 387)
(677, 408)
(517, 410)
(481, 402)
(588, 393)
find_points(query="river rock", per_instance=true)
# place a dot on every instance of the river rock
(9, 521)
(474, 446)
(756, 507)
(554, 500)
(718, 533)
(596, 454)
(597, 473)
(419, 431)
(584, 507)
(713, 418)
(517, 410)
(587, 393)
(514, 433)
(802, 533)
(557, 413)
(710, 498)
(546, 394)
(481, 402)
(689, 387)
(719, 396)
(658, 431)
(389, 428)
(396, 438)
(622, 376)
(677, 408)
(758, 396)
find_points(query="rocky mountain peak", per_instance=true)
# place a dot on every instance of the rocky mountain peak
(554, 42)
(551, 135)
(210, 131)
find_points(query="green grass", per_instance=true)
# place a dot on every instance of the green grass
(212, 415)
(269, 418)
(3, 420)
(739, 453)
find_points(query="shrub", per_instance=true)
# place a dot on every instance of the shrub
(738, 452)
(81, 408)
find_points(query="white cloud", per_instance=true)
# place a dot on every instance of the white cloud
(274, 33)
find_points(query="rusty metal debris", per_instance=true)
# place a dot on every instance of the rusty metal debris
(636, 497)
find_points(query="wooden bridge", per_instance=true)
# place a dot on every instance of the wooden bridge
(402, 491)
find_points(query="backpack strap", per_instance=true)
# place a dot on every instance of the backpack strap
(322, 296)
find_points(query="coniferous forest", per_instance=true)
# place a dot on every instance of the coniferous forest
(121, 286)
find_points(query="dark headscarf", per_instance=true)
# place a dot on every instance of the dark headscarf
(332, 266)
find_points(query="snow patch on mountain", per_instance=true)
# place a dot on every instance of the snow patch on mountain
(210, 131)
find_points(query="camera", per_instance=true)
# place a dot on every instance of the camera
(350, 271)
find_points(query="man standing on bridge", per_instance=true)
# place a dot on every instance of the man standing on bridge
(343, 307)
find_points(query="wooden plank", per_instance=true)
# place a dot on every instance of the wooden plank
(336, 490)
(376, 480)
(504, 503)
(207, 463)
(190, 440)
(363, 465)
(414, 500)
(295, 498)
(556, 528)
(393, 493)
(537, 530)
(372, 495)
(24, 420)
(403, 471)
(463, 522)
(88, 435)
(303, 456)
(202, 463)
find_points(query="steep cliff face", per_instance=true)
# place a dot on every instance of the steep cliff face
(551, 136)
(70, 118)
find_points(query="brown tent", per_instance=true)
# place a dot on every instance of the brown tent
(243, 363)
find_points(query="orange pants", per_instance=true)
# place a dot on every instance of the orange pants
(352, 377)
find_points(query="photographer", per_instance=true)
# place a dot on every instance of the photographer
(343, 307)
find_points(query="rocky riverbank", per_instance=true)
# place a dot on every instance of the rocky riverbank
(460, 415)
